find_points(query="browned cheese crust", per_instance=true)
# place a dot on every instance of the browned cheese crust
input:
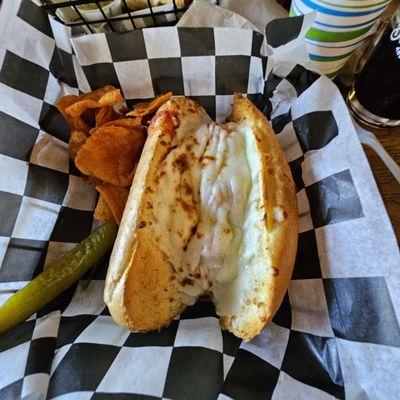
(141, 290)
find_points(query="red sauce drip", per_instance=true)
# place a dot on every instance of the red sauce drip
(169, 122)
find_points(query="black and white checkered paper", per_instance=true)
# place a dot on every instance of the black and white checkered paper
(337, 332)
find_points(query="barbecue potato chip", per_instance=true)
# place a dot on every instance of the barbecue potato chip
(111, 97)
(64, 102)
(75, 106)
(106, 96)
(130, 123)
(105, 114)
(115, 197)
(111, 154)
(76, 141)
(102, 212)
(146, 108)
(78, 124)
(75, 123)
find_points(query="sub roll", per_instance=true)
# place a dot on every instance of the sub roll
(211, 212)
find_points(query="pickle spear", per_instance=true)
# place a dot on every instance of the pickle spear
(57, 277)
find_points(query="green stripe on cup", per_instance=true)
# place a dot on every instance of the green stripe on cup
(325, 36)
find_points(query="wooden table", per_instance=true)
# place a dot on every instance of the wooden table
(388, 186)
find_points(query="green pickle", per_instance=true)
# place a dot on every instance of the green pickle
(57, 277)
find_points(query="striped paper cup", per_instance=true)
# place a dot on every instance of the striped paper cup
(340, 26)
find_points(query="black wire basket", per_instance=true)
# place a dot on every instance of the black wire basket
(93, 14)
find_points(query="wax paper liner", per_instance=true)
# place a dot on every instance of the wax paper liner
(337, 332)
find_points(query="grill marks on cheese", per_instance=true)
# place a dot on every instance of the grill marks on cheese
(205, 196)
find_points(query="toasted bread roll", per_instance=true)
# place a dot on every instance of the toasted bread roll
(212, 211)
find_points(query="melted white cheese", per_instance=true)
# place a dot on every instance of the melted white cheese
(211, 247)
(224, 189)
